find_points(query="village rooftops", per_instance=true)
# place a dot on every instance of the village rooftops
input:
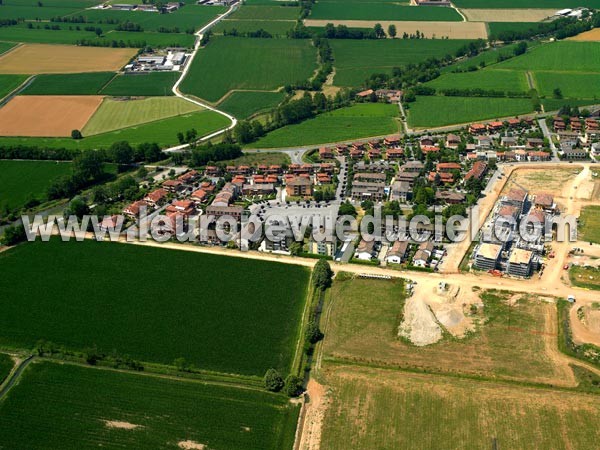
(516, 195)
(544, 200)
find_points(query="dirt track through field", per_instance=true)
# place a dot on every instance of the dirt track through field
(453, 30)
(47, 115)
(507, 15)
(30, 59)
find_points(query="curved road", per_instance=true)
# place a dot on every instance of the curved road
(14, 376)
(178, 93)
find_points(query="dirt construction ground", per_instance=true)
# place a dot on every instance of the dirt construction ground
(47, 115)
(507, 15)
(29, 59)
(453, 30)
(592, 36)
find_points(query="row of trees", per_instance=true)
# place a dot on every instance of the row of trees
(204, 154)
(560, 29)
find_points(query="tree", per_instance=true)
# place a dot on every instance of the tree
(557, 93)
(78, 207)
(182, 365)
(273, 381)
(293, 386)
(181, 138)
(378, 30)
(313, 333)
(76, 134)
(296, 248)
(121, 152)
(347, 209)
(520, 49)
(322, 274)
(88, 166)
(13, 235)
(392, 31)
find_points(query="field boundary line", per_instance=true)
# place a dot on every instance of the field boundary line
(14, 376)
(16, 91)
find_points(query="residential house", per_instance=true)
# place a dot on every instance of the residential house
(452, 141)
(299, 187)
(401, 191)
(478, 171)
(374, 191)
(135, 208)
(366, 250)
(156, 198)
(398, 252)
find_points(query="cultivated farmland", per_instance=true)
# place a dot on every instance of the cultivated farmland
(527, 4)
(243, 104)
(68, 84)
(233, 315)
(342, 10)
(589, 224)
(359, 121)
(264, 12)
(71, 407)
(508, 15)
(142, 84)
(427, 412)
(498, 80)
(246, 63)
(569, 56)
(46, 115)
(434, 111)
(6, 365)
(5, 46)
(115, 114)
(275, 27)
(9, 83)
(572, 85)
(591, 36)
(21, 181)
(42, 58)
(356, 60)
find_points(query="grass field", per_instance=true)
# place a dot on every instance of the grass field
(163, 132)
(571, 56)
(41, 58)
(21, 181)
(22, 34)
(356, 60)
(498, 80)
(9, 83)
(356, 10)
(222, 314)
(246, 63)
(510, 4)
(244, 104)
(553, 104)
(359, 121)
(5, 46)
(434, 111)
(589, 224)
(508, 343)
(69, 84)
(384, 409)
(488, 57)
(6, 365)
(143, 84)
(46, 115)
(266, 12)
(275, 27)
(71, 407)
(499, 27)
(572, 85)
(585, 277)
(117, 114)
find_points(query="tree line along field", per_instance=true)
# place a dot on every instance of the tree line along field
(243, 104)
(221, 314)
(356, 60)
(21, 181)
(277, 28)
(116, 114)
(73, 407)
(354, 122)
(437, 111)
(6, 365)
(358, 10)
(428, 412)
(247, 63)
(163, 132)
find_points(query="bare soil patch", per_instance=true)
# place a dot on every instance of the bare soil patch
(47, 115)
(316, 409)
(191, 445)
(507, 15)
(121, 425)
(592, 36)
(44, 58)
(453, 30)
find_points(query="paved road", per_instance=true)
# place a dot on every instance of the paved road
(14, 376)
(178, 93)
(548, 135)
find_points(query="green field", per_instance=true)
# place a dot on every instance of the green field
(246, 63)
(5, 46)
(356, 60)
(142, 84)
(565, 56)
(589, 224)
(356, 10)
(222, 314)
(499, 27)
(275, 27)
(117, 114)
(68, 84)
(487, 57)
(585, 277)
(244, 104)
(553, 104)
(9, 83)
(163, 132)
(21, 181)
(498, 80)
(265, 12)
(6, 365)
(572, 85)
(509, 4)
(68, 407)
(433, 111)
(410, 411)
(359, 121)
